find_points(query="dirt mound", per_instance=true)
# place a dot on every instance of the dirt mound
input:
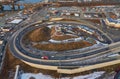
(45, 34)
(41, 34)
(63, 46)
(60, 36)
(63, 37)
(53, 30)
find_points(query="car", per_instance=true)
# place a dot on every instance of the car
(44, 57)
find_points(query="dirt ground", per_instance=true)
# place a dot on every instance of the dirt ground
(9, 68)
(10, 63)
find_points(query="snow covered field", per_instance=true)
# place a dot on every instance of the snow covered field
(42, 76)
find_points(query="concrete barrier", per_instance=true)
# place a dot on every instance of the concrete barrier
(65, 70)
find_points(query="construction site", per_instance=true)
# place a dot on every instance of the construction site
(65, 39)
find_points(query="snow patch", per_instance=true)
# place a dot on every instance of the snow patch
(36, 76)
(50, 26)
(65, 41)
(90, 76)
(93, 75)
(15, 21)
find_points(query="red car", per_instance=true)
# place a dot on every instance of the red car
(45, 57)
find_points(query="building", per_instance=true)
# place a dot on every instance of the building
(46, 1)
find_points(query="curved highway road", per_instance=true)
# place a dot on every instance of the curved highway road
(78, 59)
